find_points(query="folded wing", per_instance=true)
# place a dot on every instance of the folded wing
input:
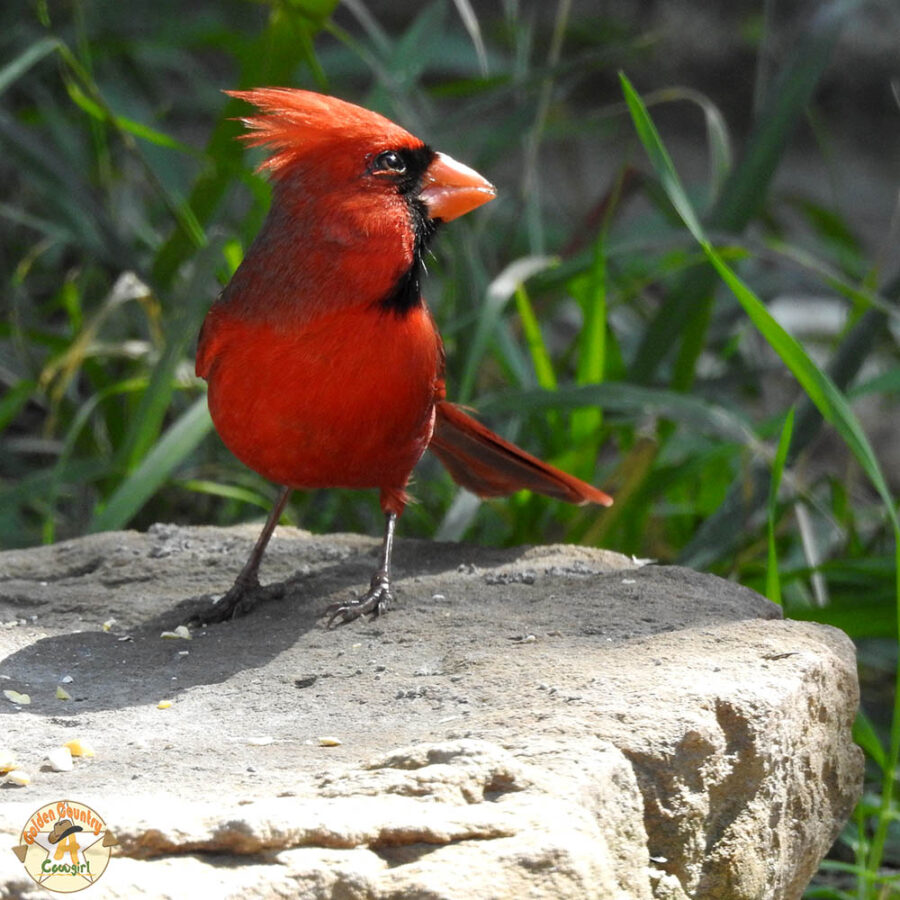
(489, 466)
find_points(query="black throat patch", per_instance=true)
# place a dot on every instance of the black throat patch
(406, 294)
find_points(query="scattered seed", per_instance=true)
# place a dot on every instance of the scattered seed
(181, 632)
(16, 697)
(78, 747)
(60, 759)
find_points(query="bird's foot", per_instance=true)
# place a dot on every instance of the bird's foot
(239, 600)
(375, 601)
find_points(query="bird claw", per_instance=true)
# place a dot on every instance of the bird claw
(239, 600)
(375, 601)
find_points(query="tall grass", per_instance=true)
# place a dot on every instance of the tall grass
(612, 318)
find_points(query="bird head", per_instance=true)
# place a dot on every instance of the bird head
(357, 152)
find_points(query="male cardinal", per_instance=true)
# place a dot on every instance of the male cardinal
(324, 365)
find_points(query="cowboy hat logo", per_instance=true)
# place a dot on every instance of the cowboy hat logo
(65, 846)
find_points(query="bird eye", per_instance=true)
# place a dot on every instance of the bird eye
(389, 161)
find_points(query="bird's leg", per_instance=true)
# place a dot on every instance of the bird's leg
(246, 591)
(379, 595)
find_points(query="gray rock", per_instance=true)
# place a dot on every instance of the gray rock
(543, 723)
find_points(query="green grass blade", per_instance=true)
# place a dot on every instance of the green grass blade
(29, 57)
(745, 190)
(13, 400)
(271, 58)
(192, 297)
(744, 193)
(540, 358)
(591, 367)
(885, 383)
(99, 113)
(819, 388)
(865, 735)
(64, 461)
(138, 129)
(38, 484)
(773, 581)
(167, 454)
(634, 400)
(147, 422)
(866, 617)
(229, 491)
(472, 26)
(501, 289)
(718, 139)
(718, 536)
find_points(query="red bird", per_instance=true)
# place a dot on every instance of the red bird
(324, 365)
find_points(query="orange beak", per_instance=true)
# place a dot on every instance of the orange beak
(451, 189)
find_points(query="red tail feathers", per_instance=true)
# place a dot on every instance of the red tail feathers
(489, 466)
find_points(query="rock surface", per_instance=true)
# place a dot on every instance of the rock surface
(550, 722)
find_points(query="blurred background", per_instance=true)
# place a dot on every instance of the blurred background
(580, 315)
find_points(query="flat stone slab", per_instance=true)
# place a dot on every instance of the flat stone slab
(535, 722)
